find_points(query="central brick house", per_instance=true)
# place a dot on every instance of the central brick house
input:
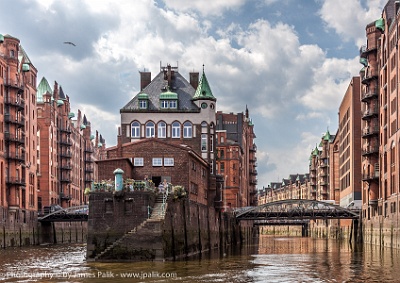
(168, 131)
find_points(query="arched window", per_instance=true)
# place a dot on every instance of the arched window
(187, 130)
(176, 130)
(162, 130)
(150, 130)
(135, 130)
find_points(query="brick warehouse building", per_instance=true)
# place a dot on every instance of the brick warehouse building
(18, 187)
(236, 158)
(67, 149)
(171, 110)
(381, 136)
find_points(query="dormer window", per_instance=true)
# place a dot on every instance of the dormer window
(169, 100)
(143, 101)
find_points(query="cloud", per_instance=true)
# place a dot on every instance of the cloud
(215, 7)
(349, 18)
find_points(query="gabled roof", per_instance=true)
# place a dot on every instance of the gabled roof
(181, 88)
(61, 95)
(203, 90)
(42, 89)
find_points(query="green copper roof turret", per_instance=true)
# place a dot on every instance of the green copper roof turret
(203, 90)
(43, 88)
(380, 24)
(327, 136)
(71, 115)
(143, 96)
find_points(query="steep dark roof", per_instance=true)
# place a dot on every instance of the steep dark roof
(158, 85)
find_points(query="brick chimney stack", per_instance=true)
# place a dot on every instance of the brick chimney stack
(145, 79)
(194, 79)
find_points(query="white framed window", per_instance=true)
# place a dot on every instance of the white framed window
(142, 104)
(168, 161)
(173, 104)
(164, 104)
(150, 130)
(176, 130)
(135, 130)
(187, 130)
(162, 130)
(138, 161)
(203, 142)
(157, 161)
(211, 143)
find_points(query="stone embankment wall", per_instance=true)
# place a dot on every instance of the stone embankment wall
(124, 232)
(318, 229)
(22, 229)
(382, 231)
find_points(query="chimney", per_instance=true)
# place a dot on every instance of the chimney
(194, 79)
(145, 79)
(169, 74)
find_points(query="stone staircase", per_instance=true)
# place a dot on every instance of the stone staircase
(158, 211)
(149, 226)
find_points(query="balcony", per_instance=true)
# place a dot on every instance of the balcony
(17, 102)
(66, 167)
(15, 156)
(64, 196)
(65, 130)
(370, 113)
(371, 75)
(10, 119)
(89, 149)
(66, 142)
(371, 94)
(65, 179)
(370, 150)
(364, 49)
(15, 181)
(14, 83)
(370, 176)
(89, 169)
(66, 154)
(14, 138)
(370, 131)
(253, 172)
(88, 159)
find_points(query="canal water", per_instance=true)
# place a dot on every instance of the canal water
(272, 259)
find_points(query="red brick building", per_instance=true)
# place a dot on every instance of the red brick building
(236, 158)
(18, 181)
(159, 160)
(67, 149)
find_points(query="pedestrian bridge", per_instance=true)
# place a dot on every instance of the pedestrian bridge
(295, 212)
(69, 214)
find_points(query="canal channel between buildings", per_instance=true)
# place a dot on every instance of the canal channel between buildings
(268, 259)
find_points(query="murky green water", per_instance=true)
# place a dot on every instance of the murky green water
(271, 260)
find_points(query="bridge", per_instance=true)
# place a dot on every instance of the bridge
(295, 212)
(69, 214)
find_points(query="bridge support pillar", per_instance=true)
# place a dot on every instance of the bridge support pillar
(304, 230)
(47, 233)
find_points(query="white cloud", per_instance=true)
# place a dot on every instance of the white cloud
(349, 18)
(215, 7)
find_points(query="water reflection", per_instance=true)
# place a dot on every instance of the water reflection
(271, 260)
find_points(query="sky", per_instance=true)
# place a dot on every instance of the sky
(289, 61)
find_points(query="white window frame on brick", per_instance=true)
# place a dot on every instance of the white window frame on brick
(187, 130)
(176, 130)
(168, 161)
(162, 130)
(138, 161)
(135, 130)
(150, 130)
(157, 161)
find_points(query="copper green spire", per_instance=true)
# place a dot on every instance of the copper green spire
(203, 90)
(43, 88)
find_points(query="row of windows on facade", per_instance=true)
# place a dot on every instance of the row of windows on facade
(156, 161)
(176, 132)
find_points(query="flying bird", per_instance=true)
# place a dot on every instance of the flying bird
(69, 42)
